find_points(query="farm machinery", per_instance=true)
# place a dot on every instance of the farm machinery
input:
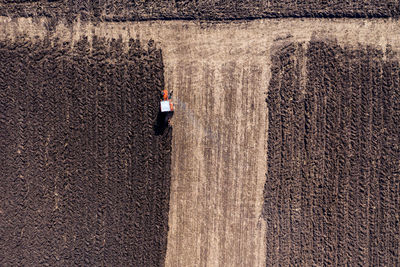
(166, 106)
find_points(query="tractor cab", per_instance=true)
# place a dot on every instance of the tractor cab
(166, 106)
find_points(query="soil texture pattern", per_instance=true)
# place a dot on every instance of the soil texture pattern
(326, 140)
(84, 178)
(135, 10)
(333, 182)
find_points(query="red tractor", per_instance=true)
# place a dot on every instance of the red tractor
(167, 108)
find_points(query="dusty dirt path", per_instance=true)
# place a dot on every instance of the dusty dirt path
(219, 74)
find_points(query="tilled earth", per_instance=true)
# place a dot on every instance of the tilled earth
(84, 176)
(333, 182)
(129, 10)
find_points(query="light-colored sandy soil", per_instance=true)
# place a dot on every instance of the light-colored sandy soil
(219, 157)
(219, 74)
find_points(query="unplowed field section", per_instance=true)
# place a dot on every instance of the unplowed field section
(84, 180)
(218, 159)
(332, 194)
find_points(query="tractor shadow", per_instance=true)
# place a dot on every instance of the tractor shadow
(161, 123)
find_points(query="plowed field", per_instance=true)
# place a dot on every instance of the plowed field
(129, 10)
(284, 150)
(84, 178)
(332, 194)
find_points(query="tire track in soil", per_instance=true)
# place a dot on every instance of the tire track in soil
(345, 159)
(85, 179)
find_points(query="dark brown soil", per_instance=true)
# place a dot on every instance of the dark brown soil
(126, 10)
(333, 182)
(84, 179)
